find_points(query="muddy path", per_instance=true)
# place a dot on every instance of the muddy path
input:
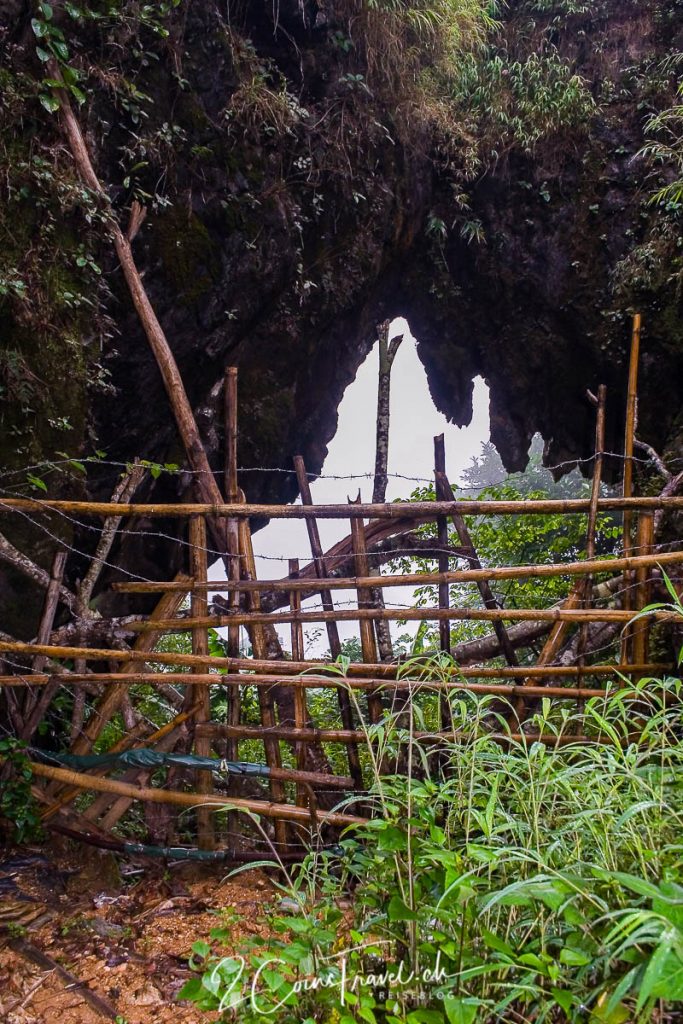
(119, 937)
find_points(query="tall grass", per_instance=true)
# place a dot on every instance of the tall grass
(535, 883)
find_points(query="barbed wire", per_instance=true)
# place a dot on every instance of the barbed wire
(173, 470)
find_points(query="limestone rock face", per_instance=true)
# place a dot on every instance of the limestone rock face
(297, 194)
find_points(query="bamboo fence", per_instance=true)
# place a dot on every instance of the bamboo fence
(303, 792)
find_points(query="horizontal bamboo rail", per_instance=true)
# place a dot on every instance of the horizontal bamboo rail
(510, 572)
(555, 614)
(267, 808)
(284, 669)
(390, 510)
(356, 735)
(311, 681)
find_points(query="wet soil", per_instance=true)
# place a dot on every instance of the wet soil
(124, 931)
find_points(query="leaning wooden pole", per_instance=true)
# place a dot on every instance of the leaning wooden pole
(109, 704)
(175, 389)
(35, 707)
(343, 699)
(445, 492)
(269, 809)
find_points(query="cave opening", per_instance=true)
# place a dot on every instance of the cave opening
(349, 465)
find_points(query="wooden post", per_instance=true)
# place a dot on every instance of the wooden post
(233, 570)
(641, 629)
(266, 704)
(599, 403)
(444, 589)
(231, 491)
(387, 354)
(230, 395)
(343, 698)
(206, 839)
(629, 439)
(367, 634)
(300, 708)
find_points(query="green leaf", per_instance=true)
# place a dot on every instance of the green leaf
(398, 911)
(202, 949)
(51, 103)
(36, 482)
(494, 942)
(39, 28)
(42, 54)
(192, 989)
(460, 1010)
(392, 838)
(574, 957)
(46, 11)
(563, 998)
(78, 94)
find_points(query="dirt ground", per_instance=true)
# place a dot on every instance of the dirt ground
(127, 937)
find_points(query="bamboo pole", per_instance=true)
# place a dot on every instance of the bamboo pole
(367, 636)
(168, 368)
(630, 430)
(442, 539)
(345, 709)
(508, 572)
(123, 492)
(168, 658)
(387, 354)
(288, 675)
(268, 809)
(627, 489)
(448, 736)
(231, 489)
(425, 510)
(554, 614)
(206, 836)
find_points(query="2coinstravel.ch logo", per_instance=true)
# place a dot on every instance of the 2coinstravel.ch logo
(336, 974)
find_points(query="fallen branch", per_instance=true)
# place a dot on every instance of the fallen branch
(42, 960)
